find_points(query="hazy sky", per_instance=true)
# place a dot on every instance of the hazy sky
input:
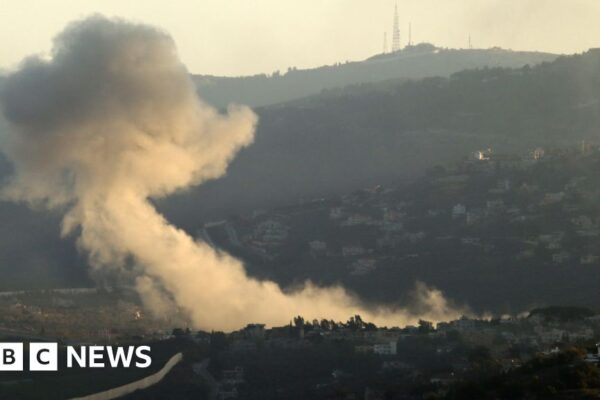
(240, 37)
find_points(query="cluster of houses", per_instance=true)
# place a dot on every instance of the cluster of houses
(460, 204)
(511, 341)
(539, 332)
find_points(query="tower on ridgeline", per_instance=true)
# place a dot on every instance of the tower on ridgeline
(409, 34)
(396, 31)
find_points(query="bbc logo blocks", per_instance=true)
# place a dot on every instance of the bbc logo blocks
(42, 357)
(11, 356)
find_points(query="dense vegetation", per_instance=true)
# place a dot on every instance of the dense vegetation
(376, 133)
(563, 376)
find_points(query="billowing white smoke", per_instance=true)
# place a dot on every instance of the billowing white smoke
(112, 120)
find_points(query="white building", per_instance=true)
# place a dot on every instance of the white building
(538, 153)
(483, 155)
(458, 211)
(271, 231)
(336, 213)
(388, 349)
(350, 251)
(561, 257)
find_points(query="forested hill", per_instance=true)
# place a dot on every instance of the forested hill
(350, 138)
(413, 62)
(546, 101)
(377, 133)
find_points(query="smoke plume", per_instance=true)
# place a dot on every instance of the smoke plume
(111, 120)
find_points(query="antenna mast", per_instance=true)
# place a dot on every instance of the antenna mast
(396, 31)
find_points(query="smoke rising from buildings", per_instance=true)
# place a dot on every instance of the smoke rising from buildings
(112, 120)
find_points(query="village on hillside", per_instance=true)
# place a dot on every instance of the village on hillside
(488, 218)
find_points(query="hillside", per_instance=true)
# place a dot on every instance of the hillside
(379, 133)
(525, 227)
(349, 138)
(414, 62)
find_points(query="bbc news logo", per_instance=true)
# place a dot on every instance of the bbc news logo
(45, 357)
